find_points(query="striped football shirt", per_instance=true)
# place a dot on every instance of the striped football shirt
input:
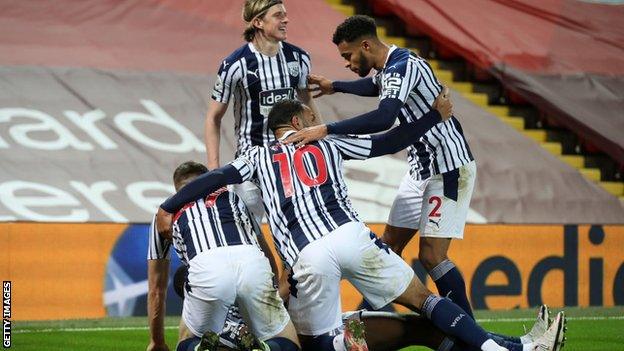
(303, 189)
(409, 78)
(256, 82)
(218, 220)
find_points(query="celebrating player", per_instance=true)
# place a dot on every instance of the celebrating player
(263, 71)
(320, 237)
(434, 196)
(215, 237)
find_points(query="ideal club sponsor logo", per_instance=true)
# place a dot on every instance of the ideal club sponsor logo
(269, 97)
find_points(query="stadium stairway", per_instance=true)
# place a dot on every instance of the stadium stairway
(483, 90)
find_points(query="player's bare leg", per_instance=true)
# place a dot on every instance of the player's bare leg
(183, 331)
(397, 238)
(446, 316)
(449, 281)
(393, 331)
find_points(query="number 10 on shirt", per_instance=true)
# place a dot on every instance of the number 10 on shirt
(301, 171)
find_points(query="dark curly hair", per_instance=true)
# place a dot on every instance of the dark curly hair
(282, 112)
(353, 28)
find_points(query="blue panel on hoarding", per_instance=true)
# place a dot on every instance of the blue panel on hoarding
(125, 289)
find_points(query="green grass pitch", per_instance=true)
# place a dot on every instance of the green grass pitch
(589, 329)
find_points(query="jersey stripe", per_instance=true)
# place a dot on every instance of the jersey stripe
(256, 82)
(222, 219)
(410, 78)
(158, 247)
(308, 211)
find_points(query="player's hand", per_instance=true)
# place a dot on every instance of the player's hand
(157, 347)
(321, 84)
(164, 222)
(443, 104)
(307, 135)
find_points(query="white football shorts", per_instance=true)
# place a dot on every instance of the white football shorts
(225, 275)
(353, 252)
(437, 206)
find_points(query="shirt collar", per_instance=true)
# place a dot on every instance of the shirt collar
(253, 49)
(392, 48)
(287, 134)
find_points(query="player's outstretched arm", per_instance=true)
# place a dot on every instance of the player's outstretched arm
(202, 186)
(406, 134)
(323, 86)
(157, 277)
(371, 122)
(360, 87)
(212, 132)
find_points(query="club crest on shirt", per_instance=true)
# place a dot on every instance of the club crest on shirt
(218, 84)
(293, 68)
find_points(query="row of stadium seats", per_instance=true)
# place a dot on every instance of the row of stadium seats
(482, 89)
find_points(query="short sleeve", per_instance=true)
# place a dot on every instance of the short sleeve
(246, 164)
(305, 69)
(398, 80)
(227, 78)
(158, 247)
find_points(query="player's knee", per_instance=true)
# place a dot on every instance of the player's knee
(414, 296)
(429, 258)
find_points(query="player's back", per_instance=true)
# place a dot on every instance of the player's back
(218, 220)
(303, 190)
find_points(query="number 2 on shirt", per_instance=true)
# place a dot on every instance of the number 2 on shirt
(300, 171)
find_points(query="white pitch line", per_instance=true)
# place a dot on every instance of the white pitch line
(596, 318)
(26, 331)
(480, 320)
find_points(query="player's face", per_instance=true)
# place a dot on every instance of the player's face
(355, 56)
(274, 22)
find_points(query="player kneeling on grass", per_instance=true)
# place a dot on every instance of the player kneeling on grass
(385, 331)
(216, 237)
(319, 234)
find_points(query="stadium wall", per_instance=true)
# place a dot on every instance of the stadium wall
(62, 271)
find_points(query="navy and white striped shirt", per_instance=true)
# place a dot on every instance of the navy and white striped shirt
(158, 247)
(220, 219)
(410, 79)
(256, 82)
(303, 189)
